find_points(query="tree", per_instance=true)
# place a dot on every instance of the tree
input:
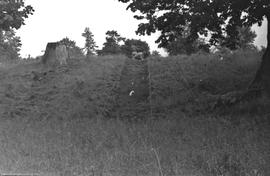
(112, 44)
(133, 45)
(215, 17)
(90, 44)
(182, 45)
(68, 42)
(155, 53)
(246, 37)
(12, 16)
(13, 13)
(10, 43)
(73, 49)
(243, 40)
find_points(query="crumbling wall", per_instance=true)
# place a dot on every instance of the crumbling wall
(55, 54)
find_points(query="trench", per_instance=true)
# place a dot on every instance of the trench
(133, 96)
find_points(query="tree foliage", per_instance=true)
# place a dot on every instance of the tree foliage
(68, 42)
(73, 49)
(13, 13)
(12, 16)
(134, 45)
(155, 53)
(10, 44)
(246, 38)
(183, 45)
(112, 44)
(215, 17)
(90, 44)
(243, 40)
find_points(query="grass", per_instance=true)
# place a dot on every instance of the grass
(37, 101)
(220, 142)
(194, 82)
(198, 146)
(57, 123)
(87, 86)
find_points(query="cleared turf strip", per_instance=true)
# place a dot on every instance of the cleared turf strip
(133, 98)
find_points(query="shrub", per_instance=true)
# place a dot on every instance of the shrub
(135, 45)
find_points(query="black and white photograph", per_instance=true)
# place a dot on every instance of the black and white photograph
(134, 88)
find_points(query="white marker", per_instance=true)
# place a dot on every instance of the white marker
(131, 93)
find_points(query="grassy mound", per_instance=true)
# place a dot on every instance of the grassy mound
(36, 103)
(197, 140)
(194, 82)
(53, 121)
(84, 89)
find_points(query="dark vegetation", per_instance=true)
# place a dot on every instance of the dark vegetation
(135, 45)
(13, 13)
(113, 45)
(12, 16)
(9, 45)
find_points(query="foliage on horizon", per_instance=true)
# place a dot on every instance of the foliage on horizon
(182, 44)
(112, 44)
(68, 42)
(132, 45)
(90, 44)
(13, 13)
(155, 53)
(71, 46)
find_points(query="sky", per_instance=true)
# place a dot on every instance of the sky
(55, 19)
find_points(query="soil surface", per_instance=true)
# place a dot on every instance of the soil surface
(133, 98)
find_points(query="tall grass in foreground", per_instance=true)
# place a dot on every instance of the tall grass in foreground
(183, 146)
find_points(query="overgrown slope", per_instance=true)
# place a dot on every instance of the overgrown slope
(38, 106)
(55, 122)
(83, 89)
(192, 83)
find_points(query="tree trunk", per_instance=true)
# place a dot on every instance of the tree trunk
(261, 81)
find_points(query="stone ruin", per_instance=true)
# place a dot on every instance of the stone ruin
(55, 54)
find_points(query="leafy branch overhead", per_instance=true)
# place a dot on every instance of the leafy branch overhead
(215, 17)
(13, 13)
